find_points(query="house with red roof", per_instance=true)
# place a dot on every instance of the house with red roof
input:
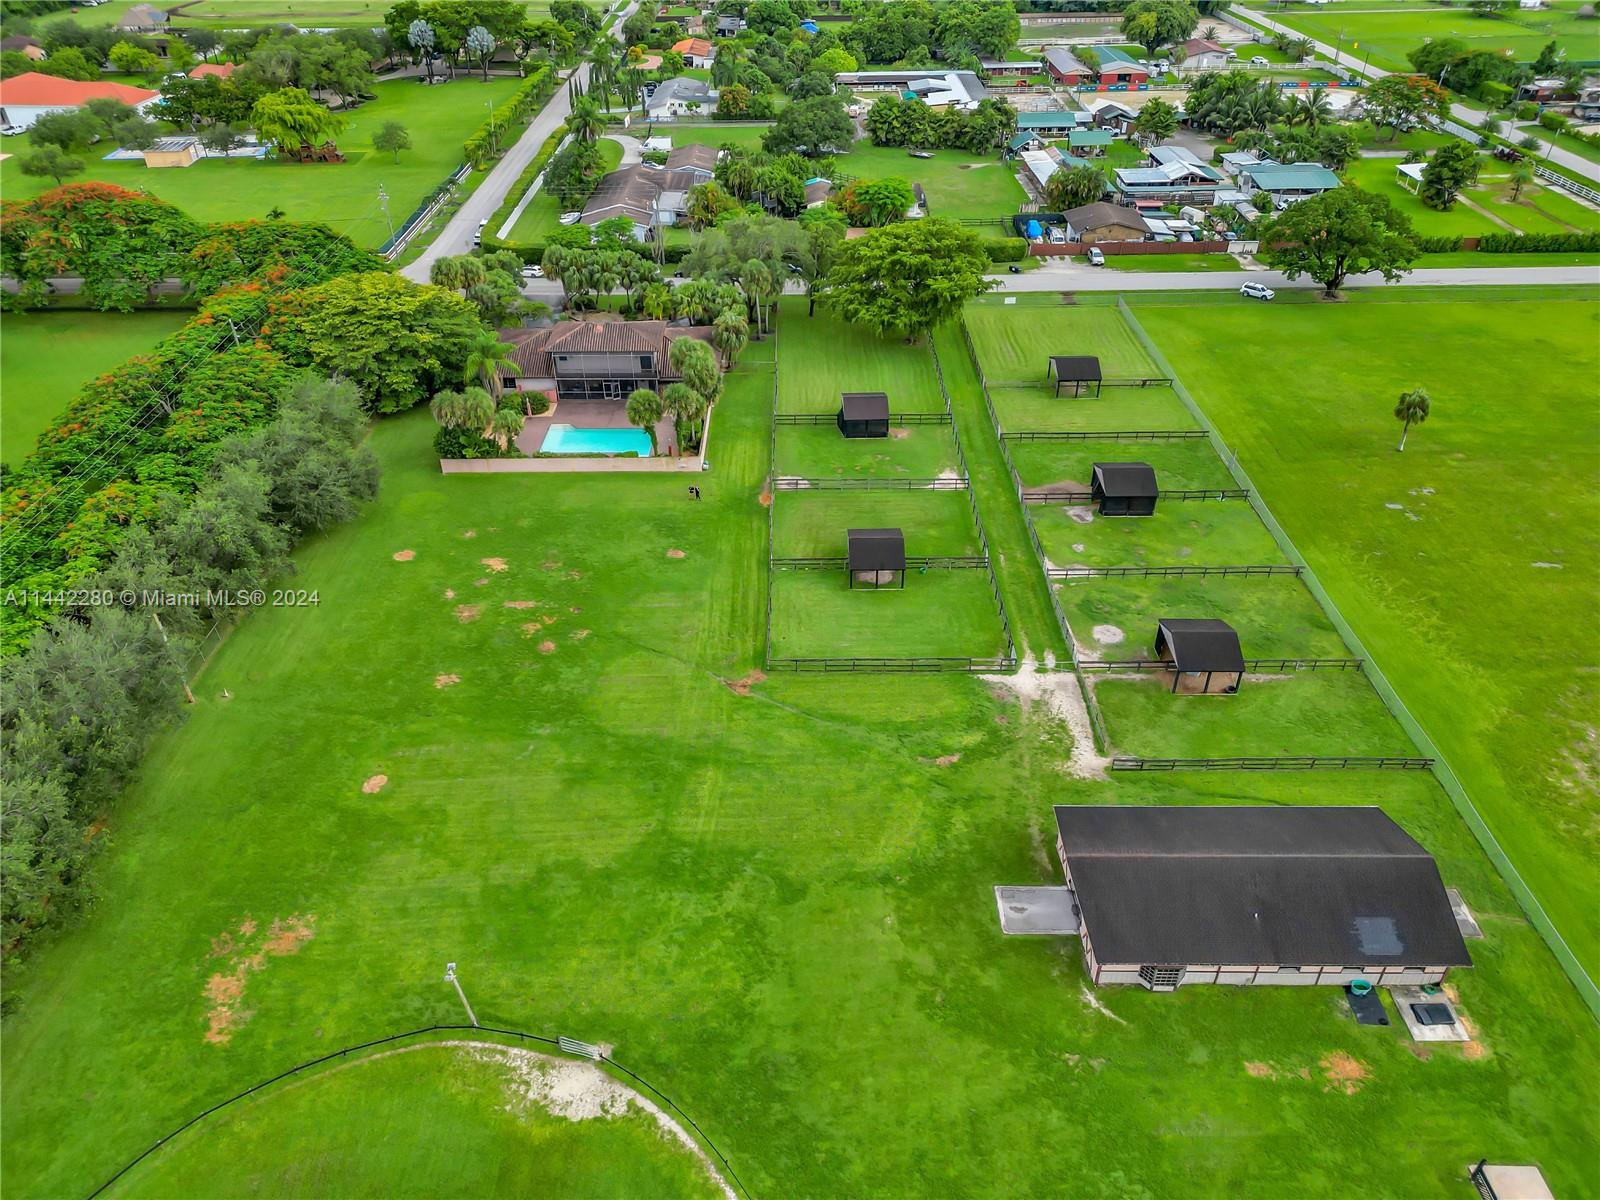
(27, 97)
(697, 52)
(219, 70)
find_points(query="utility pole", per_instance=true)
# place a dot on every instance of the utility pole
(383, 199)
(450, 977)
(162, 630)
(1339, 45)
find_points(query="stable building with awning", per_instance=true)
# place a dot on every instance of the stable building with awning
(1124, 489)
(876, 557)
(1254, 895)
(1076, 371)
(1204, 653)
(864, 414)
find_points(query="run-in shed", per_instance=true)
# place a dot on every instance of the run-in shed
(876, 557)
(1075, 371)
(864, 415)
(1204, 653)
(1124, 489)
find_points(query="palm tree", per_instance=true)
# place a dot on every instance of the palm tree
(1313, 110)
(1521, 176)
(586, 121)
(730, 333)
(448, 408)
(657, 302)
(485, 354)
(505, 425)
(644, 410)
(1412, 409)
(1298, 48)
(687, 407)
(446, 273)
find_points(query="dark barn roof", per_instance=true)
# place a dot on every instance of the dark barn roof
(876, 550)
(1244, 885)
(1072, 368)
(1126, 479)
(1202, 645)
(864, 406)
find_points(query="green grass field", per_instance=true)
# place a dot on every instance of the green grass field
(909, 452)
(957, 184)
(45, 357)
(823, 357)
(1384, 38)
(1463, 562)
(343, 195)
(1172, 262)
(543, 213)
(812, 524)
(1181, 533)
(773, 898)
(419, 1122)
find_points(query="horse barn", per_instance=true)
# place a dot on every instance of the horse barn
(1254, 895)
(1075, 371)
(1124, 489)
(876, 557)
(1204, 653)
(864, 414)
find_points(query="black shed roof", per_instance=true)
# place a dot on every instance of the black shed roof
(864, 406)
(1202, 645)
(1130, 479)
(877, 550)
(1071, 368)
(1283, 886)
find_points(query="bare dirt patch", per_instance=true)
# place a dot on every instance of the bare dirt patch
(1259, 1070)
(1061, 698)
(468, 612)
(494, 564)
(1108, 635)
(947, 760)
(403, 555)
(529, 628)
(578, 635)
(449, 593)
(224, 990)
(766, 499)
(444, 681)
(550, 564)
(1343, 1073)
(374, 784)
(288, 934)
(1080, 514)
(741, 687)
(469, 533)
(547, 647)
(899, 434)
(520, 604)
(479, 582)
(674, 553)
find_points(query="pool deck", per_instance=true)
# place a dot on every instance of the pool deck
(589, 414)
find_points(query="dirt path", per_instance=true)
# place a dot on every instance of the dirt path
(1058, 692)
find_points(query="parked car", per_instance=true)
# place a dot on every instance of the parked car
(1097, 256)
(571, 218)
(1258, 61)
(1057, 236)
(533, 272)
(477, 237)
(1014, 269)
(10, 130)
(1257, 291)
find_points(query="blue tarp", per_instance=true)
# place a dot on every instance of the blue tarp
(1035, 231)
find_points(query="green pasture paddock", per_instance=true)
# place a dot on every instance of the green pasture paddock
(909, 452)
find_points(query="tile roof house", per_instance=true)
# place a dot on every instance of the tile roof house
(27, 97)
(595, 360)
(24, 45)
(697, 52)
(1292, 895)
(649, 195)
(219, 70)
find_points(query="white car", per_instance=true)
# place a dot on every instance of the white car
(533, 272)
(1258, 61)
(1097, 256)
(571, 218)
(1257, 291)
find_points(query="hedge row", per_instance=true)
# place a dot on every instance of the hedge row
(485, 143)
(525, 181)
(1530, 243)
(1006, 250)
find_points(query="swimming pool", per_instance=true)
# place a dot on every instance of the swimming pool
(570, 439)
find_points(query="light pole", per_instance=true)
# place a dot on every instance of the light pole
(450, 977)
(383, 199)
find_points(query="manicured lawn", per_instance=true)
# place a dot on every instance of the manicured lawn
(748, 136)
(1373, 138)
(938, 614)
(957, 184)
(1473, 258)
(1180, 533)
(543, 213)
(823, 357)
(777, 906)
(1465, 563)
(45, 357)
(1384, 38)
(812, 524)
(1378, 175)
(1117, 409)
(909, 452)
(1177, 464)
(1015, 341)
(343, 195)
(1172, 262)
(426, 1121)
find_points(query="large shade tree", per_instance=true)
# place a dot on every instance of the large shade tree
(909, 277)
(1339, 233)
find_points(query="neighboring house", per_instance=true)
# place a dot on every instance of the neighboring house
(24, 45)
(1110, 114)
(1543, 90)
(1237, 160)
(1587, 107)
(651, 196)
(1288, 182)
(936, 89)
(1254, 895)
(1161, 155)
(143, 17)
(594, 360)
(217, 70)
(1117, 67)
(817, 192)
(1052, 125)
(1065, 68)
(697, 158)
(1173, 181)
(27, 97)
(1091, 143)
(1101, 222)
(729, 26)
(1041, 164)
(679, 97)
(1201, 55)
(697, 52)
(174, 152)
(1008, 68)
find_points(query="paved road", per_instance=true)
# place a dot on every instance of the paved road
(1464, 113)
(456, 237)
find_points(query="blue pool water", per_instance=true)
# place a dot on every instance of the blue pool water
(569, 439)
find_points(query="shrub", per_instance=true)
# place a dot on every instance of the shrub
(486, 141)
(1494, 93)
(1553, 121)
(1529, 243)
(469, 443)
(1006, 250)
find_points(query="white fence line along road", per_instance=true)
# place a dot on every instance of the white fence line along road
(456, 237)
(1462, 112)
